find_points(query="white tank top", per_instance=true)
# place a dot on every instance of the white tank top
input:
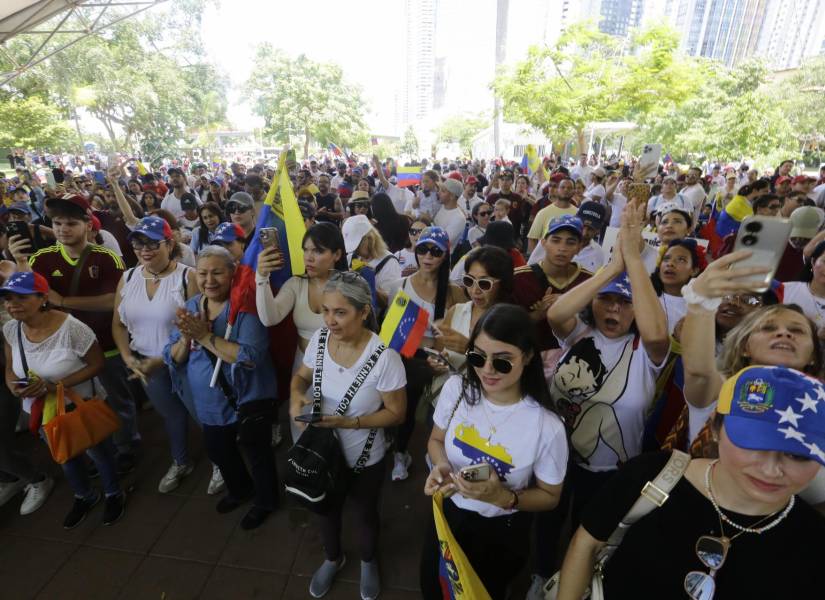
(408, 287)
(150, 322)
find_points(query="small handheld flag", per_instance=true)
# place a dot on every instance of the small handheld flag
(142, 170)
(334, 149)
(408, 176)
(404, 325)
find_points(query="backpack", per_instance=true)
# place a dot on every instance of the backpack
(315, 467)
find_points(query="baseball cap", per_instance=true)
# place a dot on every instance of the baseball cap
(173, 170)
(619, 285)
(75, 199)
(25, 282)
(599, 172)
(453, 186)
(356, 171)
(801, 179)
(436, 236)
(455, 175)
(154, 228)
(592, 213)
(21, 207)
(568, 222)
(241, 199)
(226, 233)
(775, 409)
(188, 201)
(393, 179)
(471, 180)
(354, 230)
(669, 207)
(784, 179)
(806, 221)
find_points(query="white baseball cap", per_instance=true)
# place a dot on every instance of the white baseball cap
(354, 230)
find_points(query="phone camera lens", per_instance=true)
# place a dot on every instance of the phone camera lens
(749, 240)
(754, 227)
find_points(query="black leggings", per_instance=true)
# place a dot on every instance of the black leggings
(497, 548)
(13, 464)
(364, 491)
(419, 375)
(580, 486)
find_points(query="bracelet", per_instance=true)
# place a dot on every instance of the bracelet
(697, 300)
(513, 502)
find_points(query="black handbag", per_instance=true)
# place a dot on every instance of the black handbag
(315, 466)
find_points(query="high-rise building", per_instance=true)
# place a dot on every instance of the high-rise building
(793, 31)
(617, 16)
(420, 60)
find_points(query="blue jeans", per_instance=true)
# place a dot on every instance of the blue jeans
(77, 474)
(175, 412)
(113, 377)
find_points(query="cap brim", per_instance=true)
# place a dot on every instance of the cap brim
(756, 434)
(151, 236)
(6, 290)
(564, 228)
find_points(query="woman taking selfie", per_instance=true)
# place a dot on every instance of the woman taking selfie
(499, 415)
(725, 515)
(347, 347)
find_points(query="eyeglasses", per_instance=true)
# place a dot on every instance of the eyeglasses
(712, 551)
(433, 251)
(484, 213)
(138, 245)
(414, 231)
(485, 284)
(237, 208)
(743, 299)
(478, 360)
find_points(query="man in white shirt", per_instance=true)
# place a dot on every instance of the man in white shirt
(450, 217)
(339, 178)
(178, 187)
(400, 197)
(582, 170)
(693, 192)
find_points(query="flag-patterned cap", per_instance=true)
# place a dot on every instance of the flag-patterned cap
(226, 233)
(620, 285)
(434, 235)
(154, 228)
(27, 283)
(775, 409)
(568, 222)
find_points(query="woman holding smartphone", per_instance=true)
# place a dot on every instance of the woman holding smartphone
(499, 414)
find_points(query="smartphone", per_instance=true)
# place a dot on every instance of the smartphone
(649, 162)
(100, 177)
(766, 238)
(479, 472)
(436, 355)
(309, 418)
(19, 228)
(269, 237)
(50, 180)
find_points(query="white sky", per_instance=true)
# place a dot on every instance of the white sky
(326, 31)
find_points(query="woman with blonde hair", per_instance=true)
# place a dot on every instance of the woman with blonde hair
(362, 241)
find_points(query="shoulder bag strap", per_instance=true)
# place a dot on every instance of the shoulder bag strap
(223, 382)
(654, 494)
(78, 270)
(22, 352)
(318, 371)
(184, 284)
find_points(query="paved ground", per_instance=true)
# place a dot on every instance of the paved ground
(176, 546)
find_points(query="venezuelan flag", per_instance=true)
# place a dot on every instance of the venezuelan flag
(731, 217)
(408, 176)
(334, 149)
(142, 170)
(533, 161)
(404, 325)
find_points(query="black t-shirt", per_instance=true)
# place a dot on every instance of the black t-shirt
(659, 549)
(326, 201)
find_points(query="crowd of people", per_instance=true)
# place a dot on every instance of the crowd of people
(580, 333)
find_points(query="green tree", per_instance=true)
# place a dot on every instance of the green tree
(801, 100)
(409, 143)
(732, 116)
(303, 98)
(460, 130)
(589, 76)
(32, 124)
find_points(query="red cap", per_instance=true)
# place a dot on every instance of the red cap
(557, 177)
(95, 223)
(455, 175)
(76, 199)
(783, 179)
(471, 180)
(801, 179)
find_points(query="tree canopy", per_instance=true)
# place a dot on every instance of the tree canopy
(300, 97)
(461, 130)
(30, 123)
(409, 143)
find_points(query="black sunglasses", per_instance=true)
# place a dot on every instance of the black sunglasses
(237, 208)
(478, 360)
(414, 231)
(484, 213)
(433, 251)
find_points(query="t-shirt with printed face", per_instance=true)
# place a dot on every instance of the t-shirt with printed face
(603, 387)
(520, 441)
(100, 275)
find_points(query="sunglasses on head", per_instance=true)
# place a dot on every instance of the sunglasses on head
(414, 231)
(478, 360)
(712, 551)
(346, 276)
(433, 251)
(485, 284)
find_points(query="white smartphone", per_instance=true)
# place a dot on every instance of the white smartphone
(766, 238)
(649, 162)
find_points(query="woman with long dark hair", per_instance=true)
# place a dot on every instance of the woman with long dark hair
(499, 413)
(392, 226)
(210, 215)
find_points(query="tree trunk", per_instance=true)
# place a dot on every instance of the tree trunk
(583, 149)
(306, 142)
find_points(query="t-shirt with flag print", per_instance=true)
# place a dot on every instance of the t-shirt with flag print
(520, 441)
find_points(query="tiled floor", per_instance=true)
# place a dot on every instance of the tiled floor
(177, 546)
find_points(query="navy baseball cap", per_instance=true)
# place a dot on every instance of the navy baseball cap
(25, 282)
(436, 236)
(154, 228)
(568, 222)
(226, 233)
(620, 285)
(592, 213)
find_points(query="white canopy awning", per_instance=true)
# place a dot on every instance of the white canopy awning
(69, 20)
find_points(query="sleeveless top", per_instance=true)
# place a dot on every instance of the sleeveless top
(428, 306)
(150, 322)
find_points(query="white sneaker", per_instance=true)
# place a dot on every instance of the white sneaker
(171, 480)
(277, 438)
(400, 466)
(36, 495)
(10, 490)
(536, 591)
(216, 483)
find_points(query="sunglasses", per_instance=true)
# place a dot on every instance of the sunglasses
(433, 251)
(485, 284)
(478, 360)
(484, 213)
(237, 208)
(414, 231)
(138, 245)
(712, 551)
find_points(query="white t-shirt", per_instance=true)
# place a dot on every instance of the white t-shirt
(675, 309)
(475, 234)
(406, 259)
(595, 192)
(581, 172)
(529, 441)
(452, 221)
(617, 204)
(695, 195)
(386, 376)
(110, 242)
(603, 388)
(798, 292)
(400, 197)
(391, 271)
(172, 203)
(56, 357)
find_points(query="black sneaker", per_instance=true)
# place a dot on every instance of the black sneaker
(254, 518)
(228, 503)
(114, 507)
(80, 509)
(125, 463)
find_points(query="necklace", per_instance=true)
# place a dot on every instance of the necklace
(493, 426)
(156, 276)
(723, 517)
